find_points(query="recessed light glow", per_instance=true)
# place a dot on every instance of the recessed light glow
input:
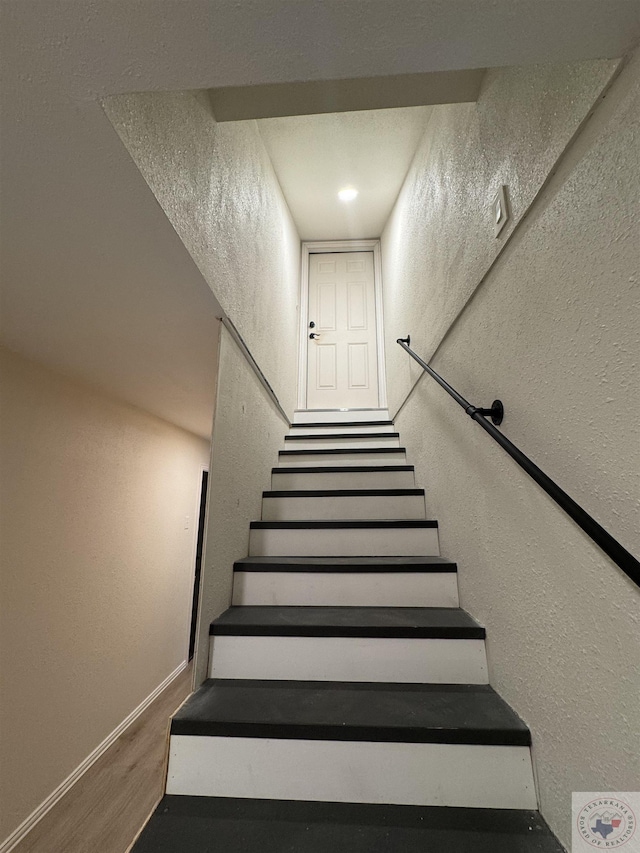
(347, 193)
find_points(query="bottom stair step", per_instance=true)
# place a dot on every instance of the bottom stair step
(408, 744)
(227, 825)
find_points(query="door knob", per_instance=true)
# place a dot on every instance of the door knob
(312, 325)
(313, 336)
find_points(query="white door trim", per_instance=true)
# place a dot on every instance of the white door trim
(320, 246)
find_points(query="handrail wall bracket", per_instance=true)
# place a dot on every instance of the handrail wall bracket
(496, 412)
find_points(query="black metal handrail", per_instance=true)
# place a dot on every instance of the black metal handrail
(623, 558)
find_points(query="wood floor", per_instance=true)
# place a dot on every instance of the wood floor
(106, 808)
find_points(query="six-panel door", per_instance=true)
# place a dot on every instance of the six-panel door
(342, 359)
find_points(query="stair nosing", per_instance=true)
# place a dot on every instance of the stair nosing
(339, 424)
(345, 524)
(359, 565)
(342, 493)
(325, 631)
(341, 436)
(340, 450)
(425, 623)
(377, 734)
(339, 469)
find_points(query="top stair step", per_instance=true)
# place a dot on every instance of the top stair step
(306, 416)
(341, 425)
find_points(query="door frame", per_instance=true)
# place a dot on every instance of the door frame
(317, 247)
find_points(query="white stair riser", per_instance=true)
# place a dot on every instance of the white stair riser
(341, 430)
(392, 457)
(429, 774)
(346, 589)
(344, 480)
(328, 442)
(345, 542)
(323, 416)
(332, 508)
(387, 659)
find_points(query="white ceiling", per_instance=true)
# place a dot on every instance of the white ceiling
(95, 282)
(314, 156)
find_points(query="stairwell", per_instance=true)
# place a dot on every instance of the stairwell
(347, 706)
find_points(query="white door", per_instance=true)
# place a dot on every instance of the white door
(342, 357)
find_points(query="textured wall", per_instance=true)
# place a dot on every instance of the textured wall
(554, 330)
(216, 184)
(439, 241)
(248, 433)
(97, 570)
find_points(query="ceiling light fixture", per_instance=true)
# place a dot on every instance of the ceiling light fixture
(347, 193)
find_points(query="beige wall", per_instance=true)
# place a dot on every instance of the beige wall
(216, 184)
(97, 569)
(554, 331)
(248, 433)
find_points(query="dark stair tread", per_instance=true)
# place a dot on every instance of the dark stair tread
(340, 450)
(386, 523)
(341, 424)
(342, 435)
(344, 564)
(343, 493)
(341, 469)
(310, 621)
(349, 711)
(183, 824)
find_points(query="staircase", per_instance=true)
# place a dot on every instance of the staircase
(347, 707)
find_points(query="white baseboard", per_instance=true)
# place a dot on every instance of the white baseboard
(27, 825)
